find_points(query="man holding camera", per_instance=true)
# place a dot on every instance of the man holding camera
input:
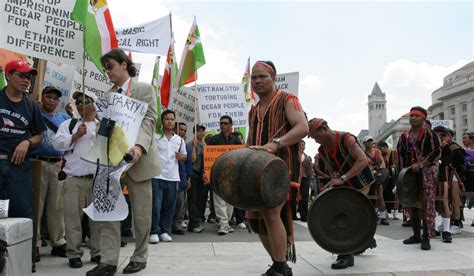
(76, 138)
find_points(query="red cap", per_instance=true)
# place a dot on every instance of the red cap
(20, 66)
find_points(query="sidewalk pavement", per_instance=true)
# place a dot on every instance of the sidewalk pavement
(391, 257)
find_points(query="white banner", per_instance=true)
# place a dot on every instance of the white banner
(60, 75)
(126, 111)
(42, 29)
(446, 123)
(108, 205)
(288, 82)
(153, 37)
(183, 106)
(216, 100)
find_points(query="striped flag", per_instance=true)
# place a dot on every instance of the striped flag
(154, 83)
(192, 58)
(168, 84)
(249, 95)
(99, 32)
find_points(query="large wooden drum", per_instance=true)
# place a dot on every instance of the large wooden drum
(250, 179)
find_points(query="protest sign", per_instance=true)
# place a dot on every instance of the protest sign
(42, 29)
(60, 75)
(211, 153)
(126, 111)
(183, 106)
(216, 100)
(152, 37)
(446, 123)
(288, 82)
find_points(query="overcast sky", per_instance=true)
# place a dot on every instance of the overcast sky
(340, 49)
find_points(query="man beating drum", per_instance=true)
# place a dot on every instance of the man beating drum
(341, 157)
(277, 123)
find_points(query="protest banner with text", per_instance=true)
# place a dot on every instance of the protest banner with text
(126, 111)
(216, 100)
(42, 29)
(288, 82)
(183, 106)
(152, 37)
(60, 75)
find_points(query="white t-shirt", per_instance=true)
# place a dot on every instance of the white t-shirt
(167, 151)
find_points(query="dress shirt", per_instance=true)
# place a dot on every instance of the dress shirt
(167, 151)
(75, 166)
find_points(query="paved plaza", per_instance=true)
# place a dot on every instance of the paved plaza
(240, 253)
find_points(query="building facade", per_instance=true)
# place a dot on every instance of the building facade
(455, 100)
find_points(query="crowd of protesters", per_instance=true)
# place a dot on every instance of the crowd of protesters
(178, 196)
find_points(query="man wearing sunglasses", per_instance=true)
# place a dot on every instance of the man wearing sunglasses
(21, 127)
(76, 139)
(223, 209)
(51, 191)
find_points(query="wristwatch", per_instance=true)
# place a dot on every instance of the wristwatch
(343, 177)
(421, 165)
(277, 141)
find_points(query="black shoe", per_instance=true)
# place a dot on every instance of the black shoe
(272, 272)
(37, 255)
(133, 267)
(59, 251)
(437, 233)
(343, 261)
(425, 244)
(178, 232)
(123, 243)
(406, 223)
(412, 240)
(95, 259)
(127, 233)
(384, 222)
(33, 268)
(75, 263)
(372, 244)
(446, 236)
(102, 270)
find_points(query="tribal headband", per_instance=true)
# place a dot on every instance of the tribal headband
(315, 123)
(266, 67)
(417, 112)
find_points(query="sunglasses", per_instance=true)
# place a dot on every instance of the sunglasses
(85, 101)
(224, 123)
(23, 75)
(51, 97)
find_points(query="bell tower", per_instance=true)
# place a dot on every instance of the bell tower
(377, 110)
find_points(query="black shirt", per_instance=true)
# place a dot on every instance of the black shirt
(18, 121)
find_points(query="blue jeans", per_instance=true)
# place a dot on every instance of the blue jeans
(16, 184)
(164, 202)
